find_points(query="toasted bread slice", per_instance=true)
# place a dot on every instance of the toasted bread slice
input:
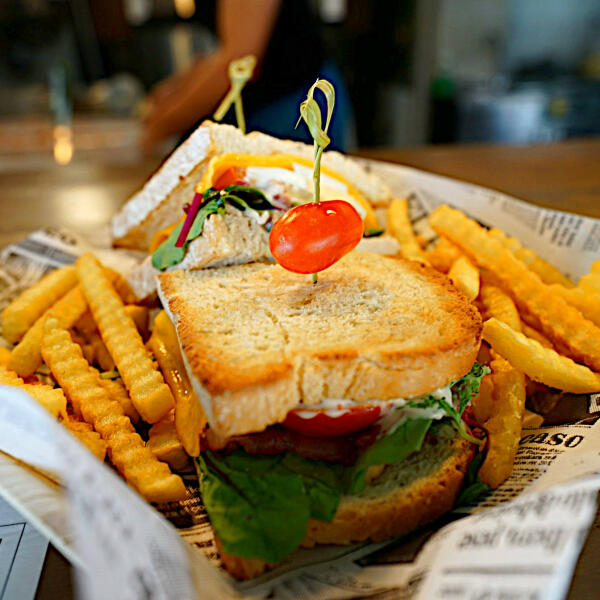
(259, 339)
(163, 196)
(405, 496)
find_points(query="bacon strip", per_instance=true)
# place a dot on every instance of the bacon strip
(277, 440)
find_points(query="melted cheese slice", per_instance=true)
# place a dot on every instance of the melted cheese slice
(263, 170)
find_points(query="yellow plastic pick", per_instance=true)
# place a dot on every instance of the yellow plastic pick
(240, 71)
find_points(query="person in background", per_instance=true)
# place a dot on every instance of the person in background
(284, 37)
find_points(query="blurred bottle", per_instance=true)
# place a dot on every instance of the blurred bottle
(62, 112)
(444, 112)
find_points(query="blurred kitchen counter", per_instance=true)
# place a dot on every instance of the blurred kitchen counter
(562, 175)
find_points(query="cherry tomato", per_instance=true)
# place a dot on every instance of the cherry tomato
(322, 425)
(311, 237)
(231, 176)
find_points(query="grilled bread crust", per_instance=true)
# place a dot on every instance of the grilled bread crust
(405, 496)
(258, 339)
(165, 193)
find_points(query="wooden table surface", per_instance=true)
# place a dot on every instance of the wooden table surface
(82, 196)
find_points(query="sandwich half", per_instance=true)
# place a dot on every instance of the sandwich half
(215, 157)
(334, 409)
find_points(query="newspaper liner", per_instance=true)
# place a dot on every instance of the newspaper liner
(129, 550)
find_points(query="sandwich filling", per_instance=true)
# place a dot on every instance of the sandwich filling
(261, 489)
(262, 187)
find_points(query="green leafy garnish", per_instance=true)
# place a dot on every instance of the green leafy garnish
(260, 505)
(323, 483)
(473, 488)
(463, 390)
(213, 202)
(407, 438)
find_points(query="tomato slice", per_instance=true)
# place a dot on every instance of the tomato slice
(311, 237)
(322, 425)
(231, 176)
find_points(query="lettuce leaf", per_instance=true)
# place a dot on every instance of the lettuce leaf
(407, 438)
(260, 505)
(257, 507)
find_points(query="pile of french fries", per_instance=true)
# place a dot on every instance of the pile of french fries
(81, 349)
(538, 325)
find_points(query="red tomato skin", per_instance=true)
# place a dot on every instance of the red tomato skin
(311, 237)
(231, 176)
(322, 425)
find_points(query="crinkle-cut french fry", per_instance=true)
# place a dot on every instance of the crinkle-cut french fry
(4, 357)
(88, 353)
(540, 364)
(483, 403)
(149, 393)
(116, 391)
(101, 354)
(443, 255)
(591, 281)
(85, 433)
(166, 445)
(531, 420)
(8, 377)
(120, 285)
(465, 276)
(585, 300)
(26, 355)
(561, 322)
(499, 304)
(26, 309)
(190, 419)
(534, 334)
(52, 399)
(139, 315)
(504, 424)
(399, 226)
(548, 273)
(127, 451)
(86, 324)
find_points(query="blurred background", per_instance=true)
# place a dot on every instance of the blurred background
(75, 74)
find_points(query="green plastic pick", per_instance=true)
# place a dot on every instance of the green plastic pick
(240, 71)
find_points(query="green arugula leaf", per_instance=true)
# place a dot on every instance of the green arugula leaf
(407, 438)
(467, 387)
(473, 488)
(252, 198)
(463, 390)
(257, 507)
(167, 254)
